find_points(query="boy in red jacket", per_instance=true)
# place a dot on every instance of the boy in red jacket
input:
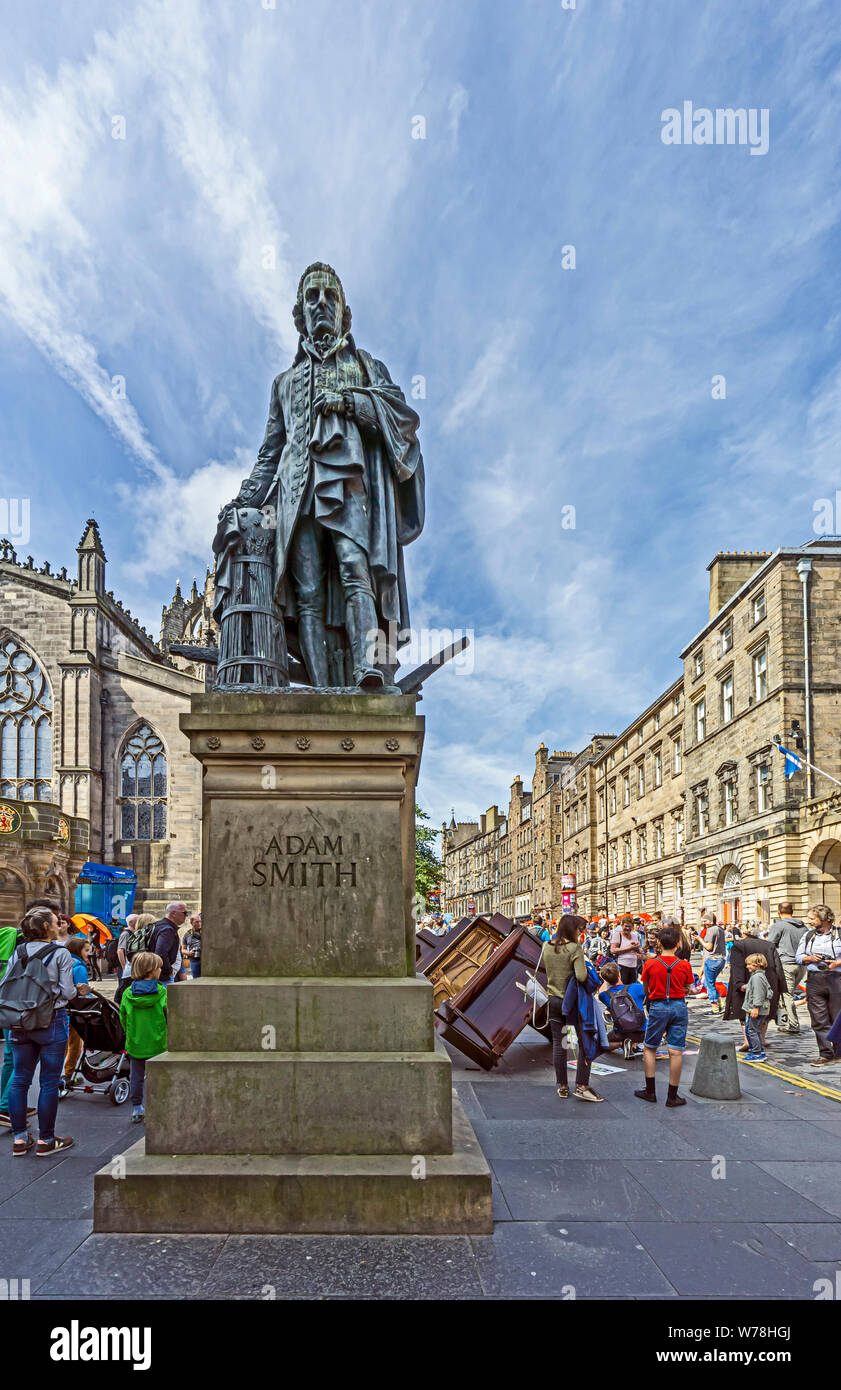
(666, 981)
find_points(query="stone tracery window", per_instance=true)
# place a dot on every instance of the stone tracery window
(143, 787)
(26, 736)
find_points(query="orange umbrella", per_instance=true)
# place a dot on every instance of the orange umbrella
(92, 927)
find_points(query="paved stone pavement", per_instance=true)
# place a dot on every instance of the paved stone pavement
(623, 1199)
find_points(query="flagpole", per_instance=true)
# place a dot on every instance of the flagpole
(821, 773)
(803, 762)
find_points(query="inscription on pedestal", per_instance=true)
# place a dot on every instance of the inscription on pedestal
(304, 888)
(291, 861)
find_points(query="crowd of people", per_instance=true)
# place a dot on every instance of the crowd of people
(772, 969)
(47, 965)
(639, 980)
(642, 975)
(611, 986)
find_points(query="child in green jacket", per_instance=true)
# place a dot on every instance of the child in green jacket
(143, 1016)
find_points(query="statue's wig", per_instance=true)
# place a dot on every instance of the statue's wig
(298, 309)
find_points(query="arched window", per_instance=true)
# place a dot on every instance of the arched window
(26, 736)
(143, 787)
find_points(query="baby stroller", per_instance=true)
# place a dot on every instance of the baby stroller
(103, 1064)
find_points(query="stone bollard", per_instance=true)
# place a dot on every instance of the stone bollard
(717, 1071)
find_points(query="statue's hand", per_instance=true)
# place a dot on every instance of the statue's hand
(330, 403)
(244, 497)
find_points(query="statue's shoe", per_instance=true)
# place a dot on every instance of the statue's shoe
(369, 678)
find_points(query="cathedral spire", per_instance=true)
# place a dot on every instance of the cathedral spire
(91, 560)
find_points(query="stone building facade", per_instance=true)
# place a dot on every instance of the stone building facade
(578, 822)
(519, 851)
(508, 863)
(471, 860)
(547, 833)
(93, 764)
(688, 808)
(638, 839)
(765, 665)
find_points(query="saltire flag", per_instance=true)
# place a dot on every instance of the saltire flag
(793, 761)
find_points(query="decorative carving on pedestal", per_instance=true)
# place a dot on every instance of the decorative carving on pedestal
(214, 741)
(302, 742)
(348, 744)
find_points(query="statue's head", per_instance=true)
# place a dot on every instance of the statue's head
(320, 309)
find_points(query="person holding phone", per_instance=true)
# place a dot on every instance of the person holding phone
(626, 950)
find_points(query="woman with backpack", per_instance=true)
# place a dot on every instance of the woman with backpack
(41, 970)
(563, 959)
(10, 938)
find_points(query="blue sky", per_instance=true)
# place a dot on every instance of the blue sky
(291, 127)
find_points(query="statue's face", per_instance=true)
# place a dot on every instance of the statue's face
(323, 305)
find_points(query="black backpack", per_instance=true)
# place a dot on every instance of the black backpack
(110, 952)
(27, 999)
(626, 1014)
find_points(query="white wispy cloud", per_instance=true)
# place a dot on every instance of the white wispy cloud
(174, 516)
(50, 253)
(64, 245)
(456, 106)
(169, 44)
(46, 257)
(484, 376)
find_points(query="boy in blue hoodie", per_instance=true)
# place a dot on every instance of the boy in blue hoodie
(143, 1016)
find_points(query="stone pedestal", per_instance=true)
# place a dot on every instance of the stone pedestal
(303, 1089)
